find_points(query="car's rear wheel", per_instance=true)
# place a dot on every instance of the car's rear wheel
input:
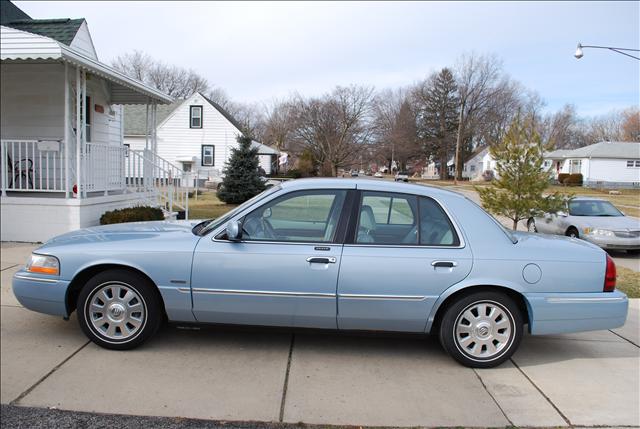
(119, 309)
(531, 225)
(572, 232)
(481, 330)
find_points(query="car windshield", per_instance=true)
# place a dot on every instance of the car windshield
(593, 208)
(212, 224)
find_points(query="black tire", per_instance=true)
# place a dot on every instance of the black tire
(531, 223)
(572, 232)
(455, 315)
(146, 312)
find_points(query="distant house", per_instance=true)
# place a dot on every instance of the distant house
(62, 159)
(195, 134)
(601, 164)
(479, 161)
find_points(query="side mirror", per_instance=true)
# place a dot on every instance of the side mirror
(234, 230)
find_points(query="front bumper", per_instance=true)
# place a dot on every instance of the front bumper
(557, 313)
(613, 243)
(40, 293)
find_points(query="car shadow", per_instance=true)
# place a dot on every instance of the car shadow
(534, 350)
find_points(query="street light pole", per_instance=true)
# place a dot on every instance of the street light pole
(579, 54)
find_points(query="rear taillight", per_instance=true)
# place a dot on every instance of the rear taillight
(610, 275)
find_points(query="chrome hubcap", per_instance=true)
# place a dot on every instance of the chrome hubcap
(532, 227)
(116, 311)
(483, 330)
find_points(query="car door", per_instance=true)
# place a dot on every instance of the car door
(282, 272)
(402, 252)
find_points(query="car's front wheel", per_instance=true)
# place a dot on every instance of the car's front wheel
(119, 309)
(481, 330)
(531, 225)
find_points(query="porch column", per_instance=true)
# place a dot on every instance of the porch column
(84, 128)
(146, 128)
(67, 140)
(78, 133)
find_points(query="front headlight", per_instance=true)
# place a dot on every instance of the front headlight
(598, 231)
(43, 264)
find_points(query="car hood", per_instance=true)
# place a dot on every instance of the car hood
(607, 222)
(124, 231)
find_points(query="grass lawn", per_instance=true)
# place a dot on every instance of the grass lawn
(628, 281)
(207, 206)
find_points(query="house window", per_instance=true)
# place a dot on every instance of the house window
(473, 168)
(575, 166)
(195, 116)
(127, 146)
(632, 163)
(207, 155)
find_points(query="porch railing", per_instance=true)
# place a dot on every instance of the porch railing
(32, 165)
(41, 166)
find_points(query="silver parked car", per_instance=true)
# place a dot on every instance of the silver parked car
(594, 220)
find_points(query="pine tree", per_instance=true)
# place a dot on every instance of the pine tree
(242, 180)
(438, 116)
(517, 193)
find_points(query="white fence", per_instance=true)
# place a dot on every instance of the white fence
(40, 166)
(32, 165)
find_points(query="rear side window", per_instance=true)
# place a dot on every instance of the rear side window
(387, 218)
(402, 219)
(435, 227)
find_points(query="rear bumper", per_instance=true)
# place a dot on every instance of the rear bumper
(574, 312)
(41, 294)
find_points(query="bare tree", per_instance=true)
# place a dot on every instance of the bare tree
(172, 80)
(278, 124)
(480, 81)
(334, 127)
(631, 125)
(393, 128)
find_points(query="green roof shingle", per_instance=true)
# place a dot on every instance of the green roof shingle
(62, 30)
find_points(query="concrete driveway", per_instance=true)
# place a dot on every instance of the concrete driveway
(588, 379)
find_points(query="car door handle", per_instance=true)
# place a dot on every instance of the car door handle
(321, 260)
(445, 264)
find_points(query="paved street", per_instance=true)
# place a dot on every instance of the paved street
(586, 379)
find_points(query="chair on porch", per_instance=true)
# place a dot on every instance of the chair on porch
(22, 170)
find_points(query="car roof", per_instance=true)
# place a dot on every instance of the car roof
(368, 184)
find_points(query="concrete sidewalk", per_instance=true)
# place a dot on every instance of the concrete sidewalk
(326, 378)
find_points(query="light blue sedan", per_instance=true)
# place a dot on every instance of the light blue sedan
(343, 254)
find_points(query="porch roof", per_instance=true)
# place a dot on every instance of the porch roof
(21, 46)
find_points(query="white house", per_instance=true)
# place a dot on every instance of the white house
(62, 160)
(196, 134)
(615, 164)
(478, 162)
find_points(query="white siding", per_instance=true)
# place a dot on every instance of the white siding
(20, 44)
(611, 170)
(32, 101)
(82, 42)
(177, 141)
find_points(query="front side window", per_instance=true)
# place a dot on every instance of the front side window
(208, 155)
(195, 116)
(387, 218)
(306, 216)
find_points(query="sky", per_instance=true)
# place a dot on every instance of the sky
(261, 51)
